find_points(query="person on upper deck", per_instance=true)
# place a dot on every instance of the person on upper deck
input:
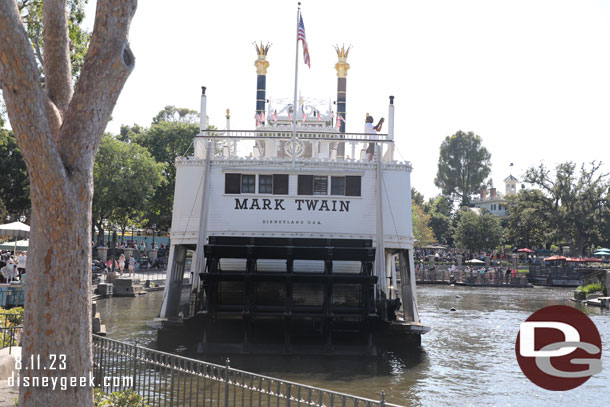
(370, 129)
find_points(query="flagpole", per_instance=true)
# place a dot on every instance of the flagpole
(294, 104)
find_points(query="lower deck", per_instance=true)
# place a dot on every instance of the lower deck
(296, 294)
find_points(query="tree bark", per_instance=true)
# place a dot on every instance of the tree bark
(58, 132)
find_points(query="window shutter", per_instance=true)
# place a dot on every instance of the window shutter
(305, 185)
(232, 183)
(353, 186)
(337, 185)
(280, 184)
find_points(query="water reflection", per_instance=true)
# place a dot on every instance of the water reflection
(467, 359)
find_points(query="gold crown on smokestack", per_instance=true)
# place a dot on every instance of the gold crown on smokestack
(261, 63)
(262, 50)
(342, 66)
(342, 52)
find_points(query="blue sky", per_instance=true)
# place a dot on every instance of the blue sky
(532, 78)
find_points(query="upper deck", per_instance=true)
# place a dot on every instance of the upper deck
(313, 145)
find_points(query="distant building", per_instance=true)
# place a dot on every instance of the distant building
(495, 202)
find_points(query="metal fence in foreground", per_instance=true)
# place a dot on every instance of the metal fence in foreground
(11, 328)
(164, 379)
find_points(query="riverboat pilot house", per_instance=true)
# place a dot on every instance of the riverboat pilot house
(300, 239)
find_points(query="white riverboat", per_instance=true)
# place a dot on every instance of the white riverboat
(307, 241)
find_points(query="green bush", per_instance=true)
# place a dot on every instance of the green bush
(125, 398)
(591, 288)
(10, 319)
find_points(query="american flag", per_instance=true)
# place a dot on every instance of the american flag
(301, 36)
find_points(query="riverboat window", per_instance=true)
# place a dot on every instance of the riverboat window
(337, 185)
(305, 185)
(353, 185)
(247, 184)
(265, 184)
(232, 183)
(320, 185)
(280, 184)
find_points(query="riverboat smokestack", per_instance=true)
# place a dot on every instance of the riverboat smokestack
(342, 67)
(261, 65)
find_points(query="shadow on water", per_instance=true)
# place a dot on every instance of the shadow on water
(324, 367)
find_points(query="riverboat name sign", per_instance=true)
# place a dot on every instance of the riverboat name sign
(324, 205)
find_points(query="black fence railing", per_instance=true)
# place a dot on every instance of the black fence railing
(11, 328)
(163, 379)
(495, 277)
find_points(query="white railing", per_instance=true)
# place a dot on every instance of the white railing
(266, 132)
(271, 143)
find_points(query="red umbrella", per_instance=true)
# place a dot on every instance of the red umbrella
(525, 251)
(555, 258)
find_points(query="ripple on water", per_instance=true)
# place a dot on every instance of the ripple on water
(467, 359)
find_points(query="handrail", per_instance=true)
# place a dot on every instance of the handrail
(287, 135)
(168, 371)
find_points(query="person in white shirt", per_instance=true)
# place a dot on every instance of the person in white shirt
(370, 129)
(21, 262)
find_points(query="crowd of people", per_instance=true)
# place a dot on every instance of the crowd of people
(12, 266)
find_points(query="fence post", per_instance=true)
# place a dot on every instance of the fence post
(228, 361)
(382, 402)
(135, 357)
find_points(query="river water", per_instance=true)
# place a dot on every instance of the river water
(467, 359)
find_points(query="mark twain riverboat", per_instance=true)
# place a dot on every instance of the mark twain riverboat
(300, 234)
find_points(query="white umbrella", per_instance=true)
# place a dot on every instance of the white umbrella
(21, 244)
(16, 230)
(475, 261)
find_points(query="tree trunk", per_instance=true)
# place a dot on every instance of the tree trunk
(58, 296)
(101, 234)
(58, 130)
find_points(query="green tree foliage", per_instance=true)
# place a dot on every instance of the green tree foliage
(440, 211)
(529, 220)
(576, 201)
(463, 166)
(129, 134)
(176, 114)
(417, 197)
(421, 225)
(14, 181)
(166, 141)
(31, 12)
(125, 179)
(478, 232)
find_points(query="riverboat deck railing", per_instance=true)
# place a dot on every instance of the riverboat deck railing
(163, 379)
(301, 134)
(309, 144)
